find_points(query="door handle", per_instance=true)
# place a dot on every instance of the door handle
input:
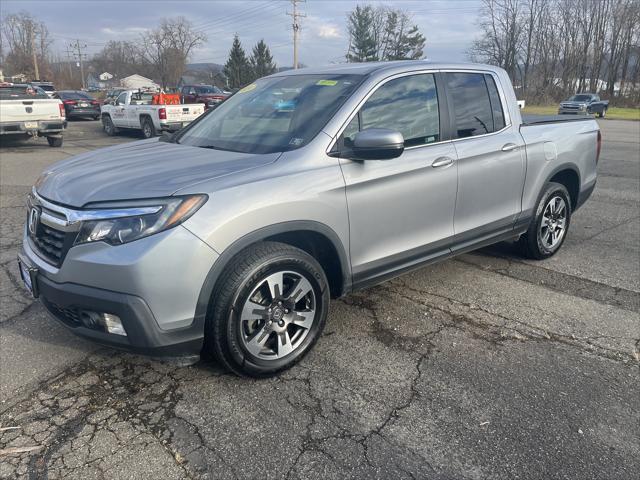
(442, 162)
(509, 147)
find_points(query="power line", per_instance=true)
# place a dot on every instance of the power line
(295, 15)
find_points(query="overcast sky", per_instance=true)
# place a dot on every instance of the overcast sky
(448, 25)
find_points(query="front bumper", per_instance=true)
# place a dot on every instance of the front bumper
(44, 127)
(152, 285)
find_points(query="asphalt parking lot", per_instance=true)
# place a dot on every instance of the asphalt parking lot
(484, 366)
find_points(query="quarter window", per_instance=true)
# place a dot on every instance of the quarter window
(476, 113)
(407, 104)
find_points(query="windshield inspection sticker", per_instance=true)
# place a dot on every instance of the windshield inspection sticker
(248, 88)
(296, 141)
(327, 83)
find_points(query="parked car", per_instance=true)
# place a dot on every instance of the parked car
(47, 87)
(210, 95)
(134, 109)
(79, 104)
(231, 235)
(584, 104)
(27, 112)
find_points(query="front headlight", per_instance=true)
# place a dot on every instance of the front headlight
(115, 223)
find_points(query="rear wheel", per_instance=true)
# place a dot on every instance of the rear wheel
(55, 141)
(148, 130)
(108, 126)
(96, 117)
(549, 228)
(269, 310)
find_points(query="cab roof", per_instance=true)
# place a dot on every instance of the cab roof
(367, 68)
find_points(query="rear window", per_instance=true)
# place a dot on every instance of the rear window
(471, 104)
(47, 88)
(74, 95)
(20, 93)
(208, 90)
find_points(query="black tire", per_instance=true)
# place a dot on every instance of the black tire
(55, 141)
(148, 130)
(96, 117)
(603, 113)
(108, 126)
(225, 336)
(531, 243)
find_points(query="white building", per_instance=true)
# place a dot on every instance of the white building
(138, 81)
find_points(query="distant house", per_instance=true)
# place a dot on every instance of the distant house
(105, 76)
(92, 81)
(138, 81)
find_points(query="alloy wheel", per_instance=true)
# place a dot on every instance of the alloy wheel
(277, 315)
(554, 222)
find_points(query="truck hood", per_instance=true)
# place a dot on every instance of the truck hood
(144, 169)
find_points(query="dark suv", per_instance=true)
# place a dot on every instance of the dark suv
(210, 95)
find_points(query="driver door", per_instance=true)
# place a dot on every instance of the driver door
(401, 210)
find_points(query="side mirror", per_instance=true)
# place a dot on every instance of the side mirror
(377, 144)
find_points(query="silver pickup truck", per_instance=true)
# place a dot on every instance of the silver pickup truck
(231, 236)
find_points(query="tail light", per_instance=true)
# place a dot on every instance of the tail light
(95, 102)
(162, 113)
(598, 146)
(69, 102)
(63, 114)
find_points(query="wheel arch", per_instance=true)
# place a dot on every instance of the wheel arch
(317, 239)
(569, 176)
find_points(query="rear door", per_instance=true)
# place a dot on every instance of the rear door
(401, 210)
(491, 162)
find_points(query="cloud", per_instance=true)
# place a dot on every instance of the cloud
(328, 31)
(124, 31)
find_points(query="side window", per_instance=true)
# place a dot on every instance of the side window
(473, 113)
(122, 99)
(408, 105)
(496, 104)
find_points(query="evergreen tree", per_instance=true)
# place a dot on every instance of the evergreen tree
(383, 33)
(261, 61)
(237, 69)
(362, 45)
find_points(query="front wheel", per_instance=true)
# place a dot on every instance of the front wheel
(602, 113)
(269, 310)
(109, 128)
(549, 228)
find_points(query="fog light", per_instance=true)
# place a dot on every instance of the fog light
(113, 324)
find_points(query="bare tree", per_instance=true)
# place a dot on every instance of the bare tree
(168, 48)
(22, 34)
(551, 48)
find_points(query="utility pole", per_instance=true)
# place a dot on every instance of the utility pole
(69, 63)
(79, 48)
(296, 27)
(33, 51)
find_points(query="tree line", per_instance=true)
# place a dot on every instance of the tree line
(554, 48)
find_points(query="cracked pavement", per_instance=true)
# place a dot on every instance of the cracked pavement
(484, 366)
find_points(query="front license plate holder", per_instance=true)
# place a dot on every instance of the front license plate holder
(29, 276)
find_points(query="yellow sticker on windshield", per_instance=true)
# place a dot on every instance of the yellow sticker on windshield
(327, 83)
(248, 88)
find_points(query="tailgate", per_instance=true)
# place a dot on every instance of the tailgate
(184, 113)
(29, 110)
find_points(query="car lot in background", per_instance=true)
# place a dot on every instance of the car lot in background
(79, 104)
(486, 366)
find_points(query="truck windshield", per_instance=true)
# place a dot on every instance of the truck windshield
(580, 98)
(273, 114)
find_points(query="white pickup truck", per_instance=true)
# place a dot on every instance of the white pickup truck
(134, 109)
(25, 113)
